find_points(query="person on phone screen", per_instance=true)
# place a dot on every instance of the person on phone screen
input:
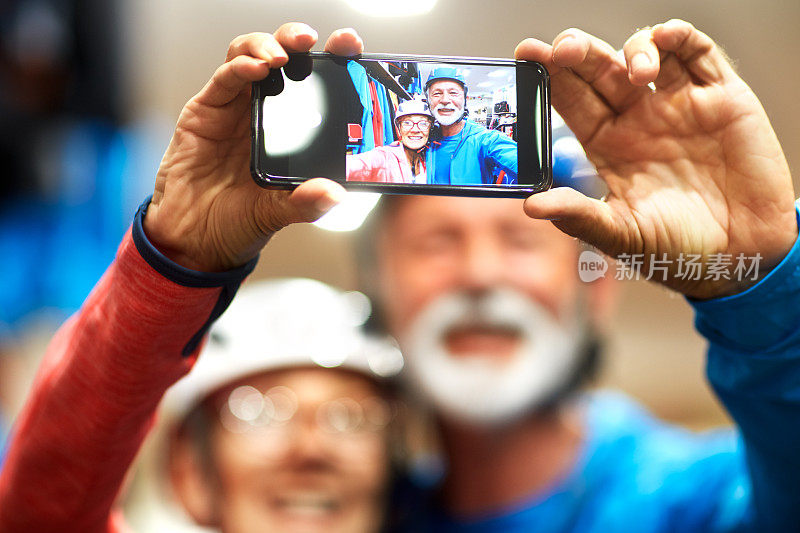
(464, 152)
(402, 161)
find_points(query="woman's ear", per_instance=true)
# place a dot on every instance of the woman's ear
(189, 475)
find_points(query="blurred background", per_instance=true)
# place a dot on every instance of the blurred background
(90, 89)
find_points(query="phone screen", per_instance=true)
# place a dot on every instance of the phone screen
(409, 124)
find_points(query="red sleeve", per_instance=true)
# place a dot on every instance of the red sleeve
(94, 398)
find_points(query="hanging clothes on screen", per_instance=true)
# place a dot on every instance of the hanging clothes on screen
(376, 113)
(393, 101)
(387, 113)
(407, 75)
(361, 84)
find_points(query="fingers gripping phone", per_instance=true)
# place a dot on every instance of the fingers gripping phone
(404, 124)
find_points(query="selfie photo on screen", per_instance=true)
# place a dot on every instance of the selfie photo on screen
(465, 135)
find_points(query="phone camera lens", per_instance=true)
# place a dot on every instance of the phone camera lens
(298, 67)
(272, 85)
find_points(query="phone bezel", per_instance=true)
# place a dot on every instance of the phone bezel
(267, 181)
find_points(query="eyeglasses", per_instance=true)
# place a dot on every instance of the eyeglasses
(407, 124)
(266, 421)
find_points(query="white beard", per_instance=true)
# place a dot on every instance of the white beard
(457, 115)
(478, 389)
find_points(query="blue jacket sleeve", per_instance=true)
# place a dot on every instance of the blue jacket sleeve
(754, 367)
(502, 151)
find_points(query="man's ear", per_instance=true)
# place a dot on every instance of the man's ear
(603, 294)
(189, 476)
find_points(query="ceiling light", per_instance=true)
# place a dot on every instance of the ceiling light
(387, 8)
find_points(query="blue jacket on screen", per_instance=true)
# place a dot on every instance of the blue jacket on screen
(638, 474)
(361, 83)
(478, 155)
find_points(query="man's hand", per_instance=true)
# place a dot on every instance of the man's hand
(692, 167)
(207, 213)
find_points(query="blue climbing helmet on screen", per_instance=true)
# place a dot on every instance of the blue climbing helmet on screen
(446, 73)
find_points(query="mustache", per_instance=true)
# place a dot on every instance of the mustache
(490, 310)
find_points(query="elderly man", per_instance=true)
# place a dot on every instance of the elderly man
(693, 168)
(498, 329)
(466, 153)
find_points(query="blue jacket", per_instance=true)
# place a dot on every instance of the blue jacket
(358, 75)
(476, 156)
(636, 473)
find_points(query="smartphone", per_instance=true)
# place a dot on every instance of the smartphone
(404, 124)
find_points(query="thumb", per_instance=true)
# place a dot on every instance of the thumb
(308, 202)
(590, 220)
(314, 198)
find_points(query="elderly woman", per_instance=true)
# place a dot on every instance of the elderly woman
(402, 161)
